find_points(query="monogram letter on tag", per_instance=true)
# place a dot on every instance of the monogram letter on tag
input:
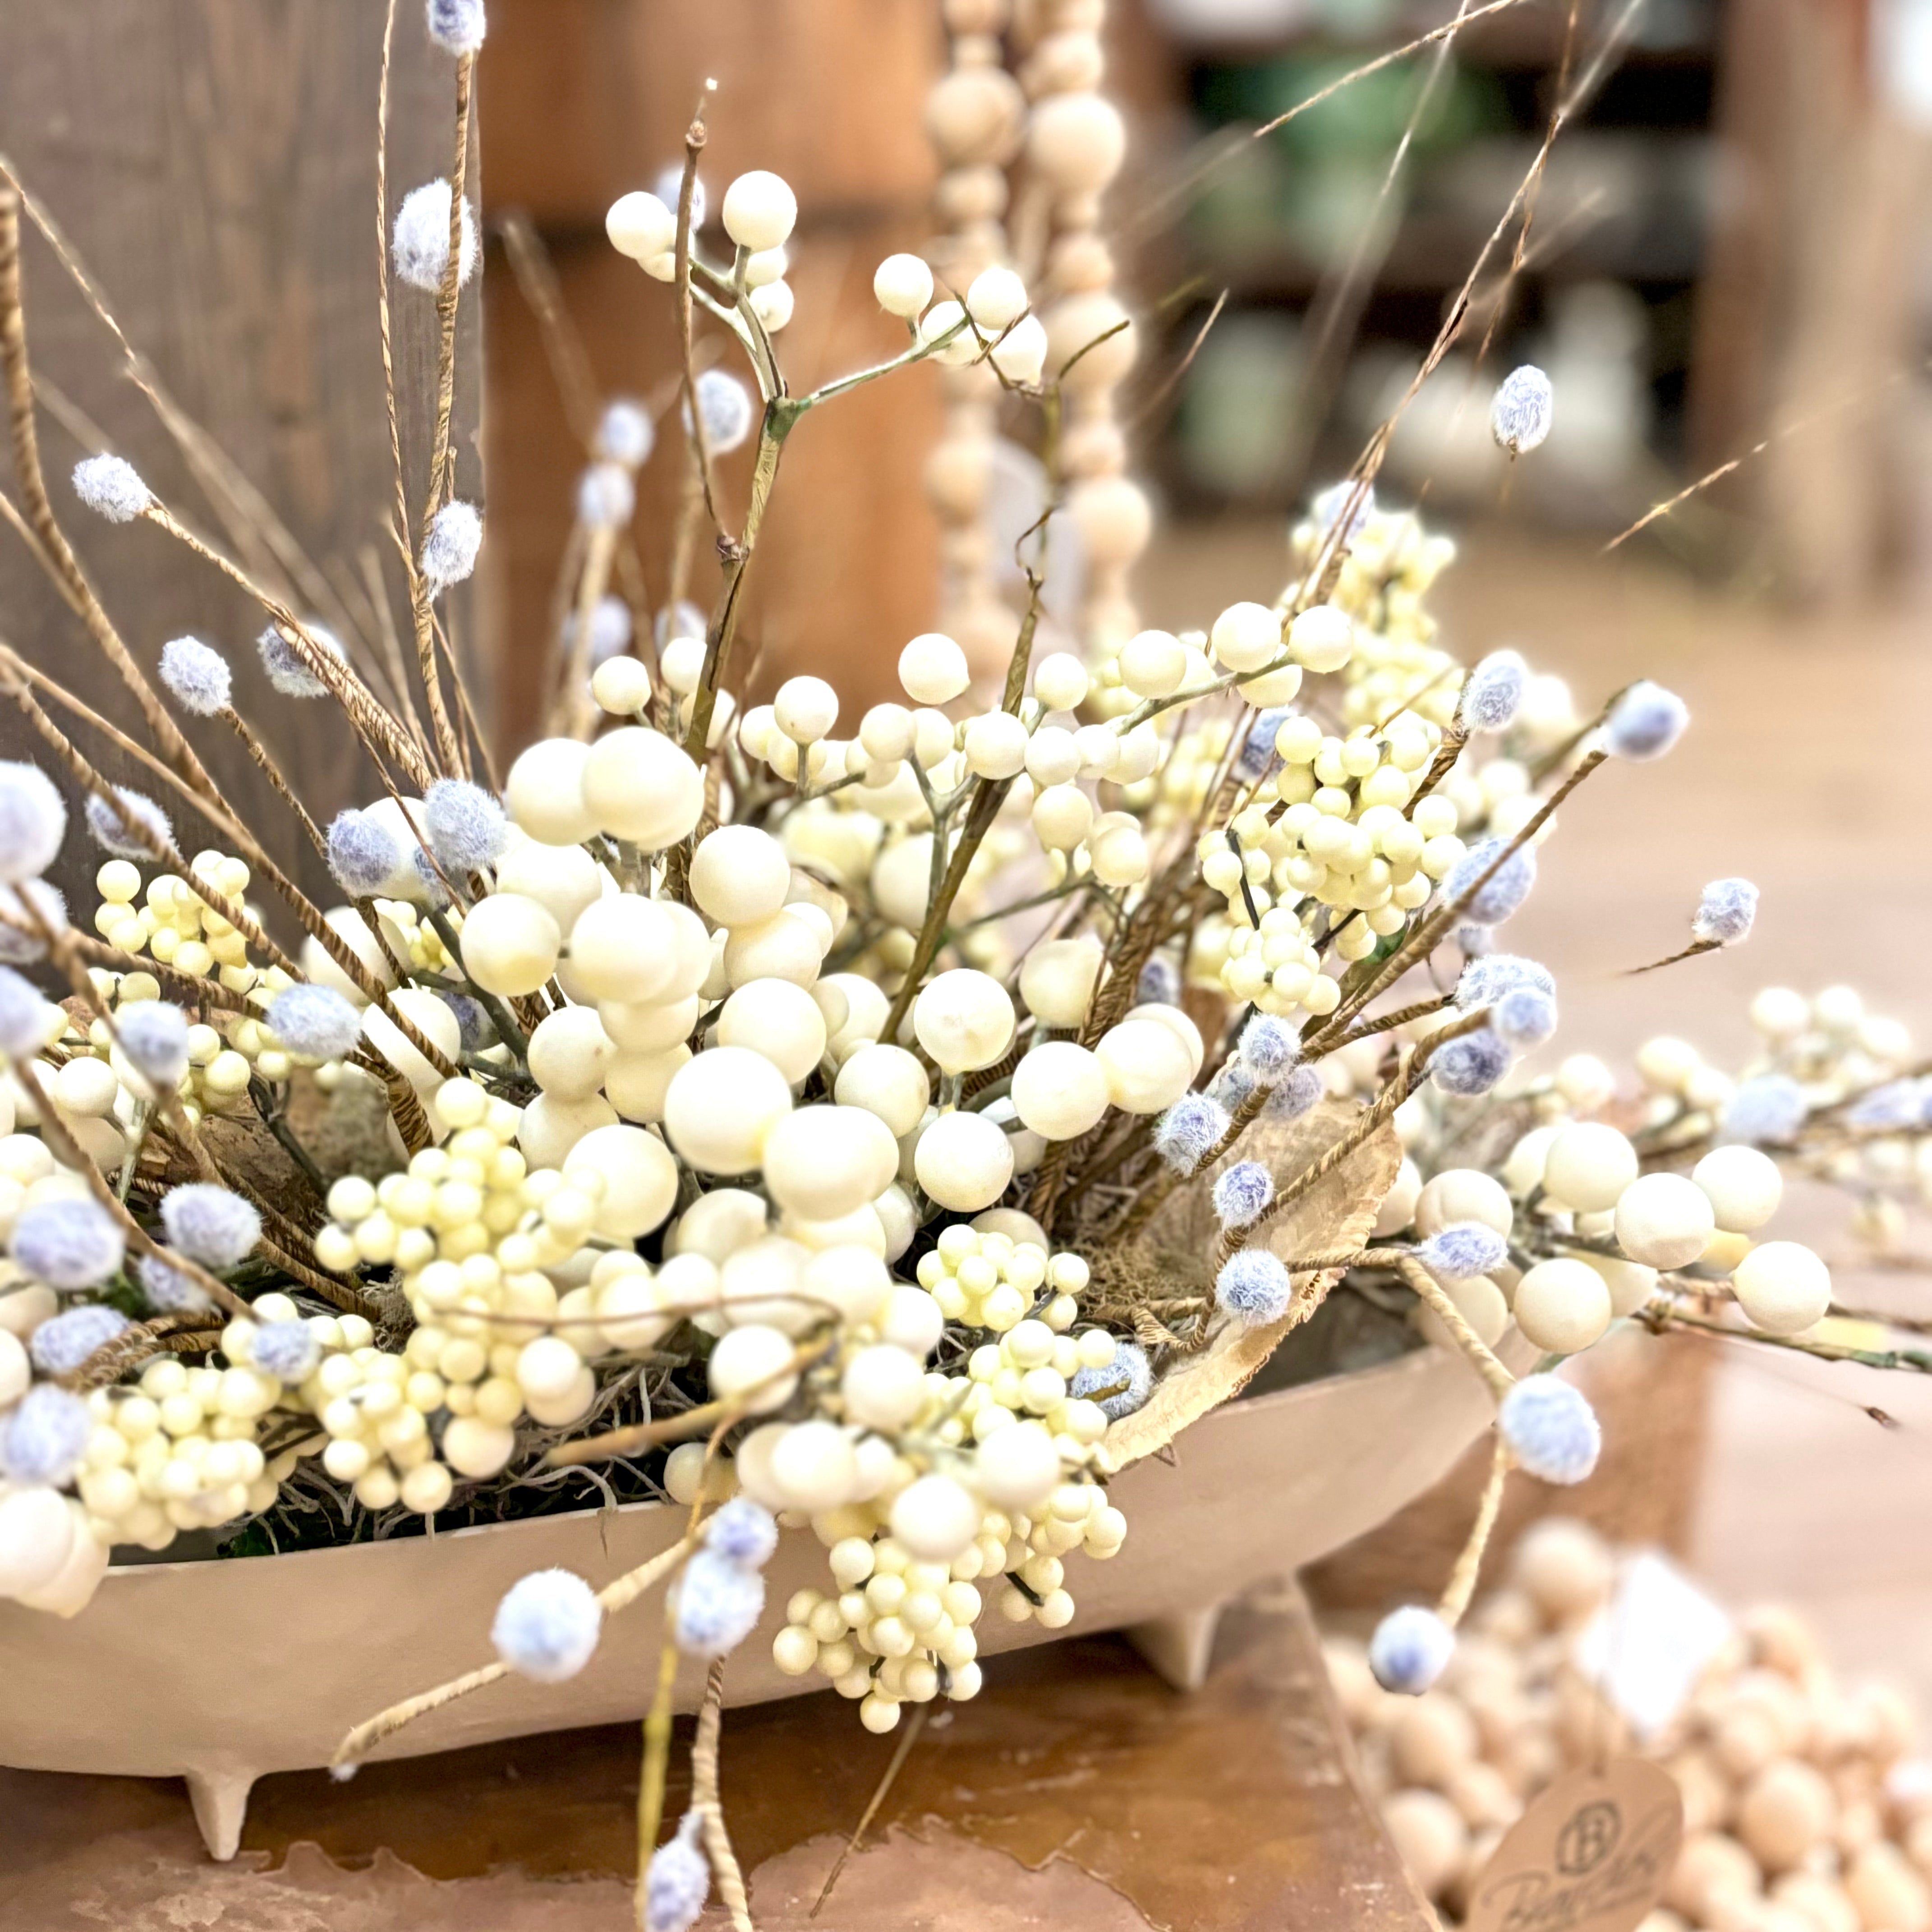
(1591, 1855)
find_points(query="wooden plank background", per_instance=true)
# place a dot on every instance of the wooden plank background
(215, 164)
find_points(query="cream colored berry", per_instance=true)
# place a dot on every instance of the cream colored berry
(1744, 1186)
(1562, 1306)
(1782, 1287)
(1588, 1166)
(1664, 1221)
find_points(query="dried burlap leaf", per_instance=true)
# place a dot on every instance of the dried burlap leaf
(1335, 1217)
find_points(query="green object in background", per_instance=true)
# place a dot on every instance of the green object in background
(1313, 184)
(1232, 429)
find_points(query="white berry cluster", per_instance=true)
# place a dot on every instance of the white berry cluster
(958, 1479)
(178, 1450)
(991, 1280)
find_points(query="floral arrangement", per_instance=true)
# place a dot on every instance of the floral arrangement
(889, 1137)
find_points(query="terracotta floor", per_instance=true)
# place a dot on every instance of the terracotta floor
(1800, 771)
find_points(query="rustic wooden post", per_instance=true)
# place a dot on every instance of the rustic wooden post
(1803, 312)
(214, 165)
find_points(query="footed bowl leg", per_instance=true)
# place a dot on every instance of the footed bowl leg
(1179, 1646)
(221, 1801)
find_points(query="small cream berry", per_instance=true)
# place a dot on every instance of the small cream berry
(1322, 638)
(1588, 1166)
(1152, 664)
(638, 785)
(996, 298)
(1057, 978)
(510, 944)
(1664, 1221)
(760, 211)
(933, 669)
(1059, 682)
(1783, 1288)
(720, 1108)
(1246, 636)
(640, 225)
(964, 1162)
(1148, 1065)
(1060, 1090)
(903, 285)
(1744, 1186)
(963, 1019)
(1563, 1306)
(739, 874)
(805, 709)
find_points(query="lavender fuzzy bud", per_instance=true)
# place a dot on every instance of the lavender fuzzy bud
(1485, 980)
(68, 1244)
(286, 664)
(606, 497)
(287, 1350)
(1644, 722)
(1242, 1194)
(1268, 1049)
(1184, 1133)
(1257, 753)
(153, 1035)
(1551, 1429)
(464, 824)
(1254, 1287)
(61, 1343)
(33, 821)
(1130, 1365)
(1525, 1017)
(473, 1026)
(1295, 1093)
(23, 1016)
(129, 825)
(625, 434)
(1410, 1650)
(361, 854)
(1231, 1084)
(725, 408)
(1769, 1111)
(1725, 913)
(1470, 1065)
(1326, 510)
(198, 676)
(677, 1881)
(315, 1021)
(719, 1605)
(33, 902)
(1493, 692)
(211, 1225)
(419, 243)
(111, 487)
(1499, 896)
(743, 1532)
(548, 1625)
(455, 537)
(1159, 984)
(45, 1436)
(456, 26)
(1523, 410)
(168, 1287)
(1463, 1250)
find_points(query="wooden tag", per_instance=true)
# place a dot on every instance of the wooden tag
(1592, 1854)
